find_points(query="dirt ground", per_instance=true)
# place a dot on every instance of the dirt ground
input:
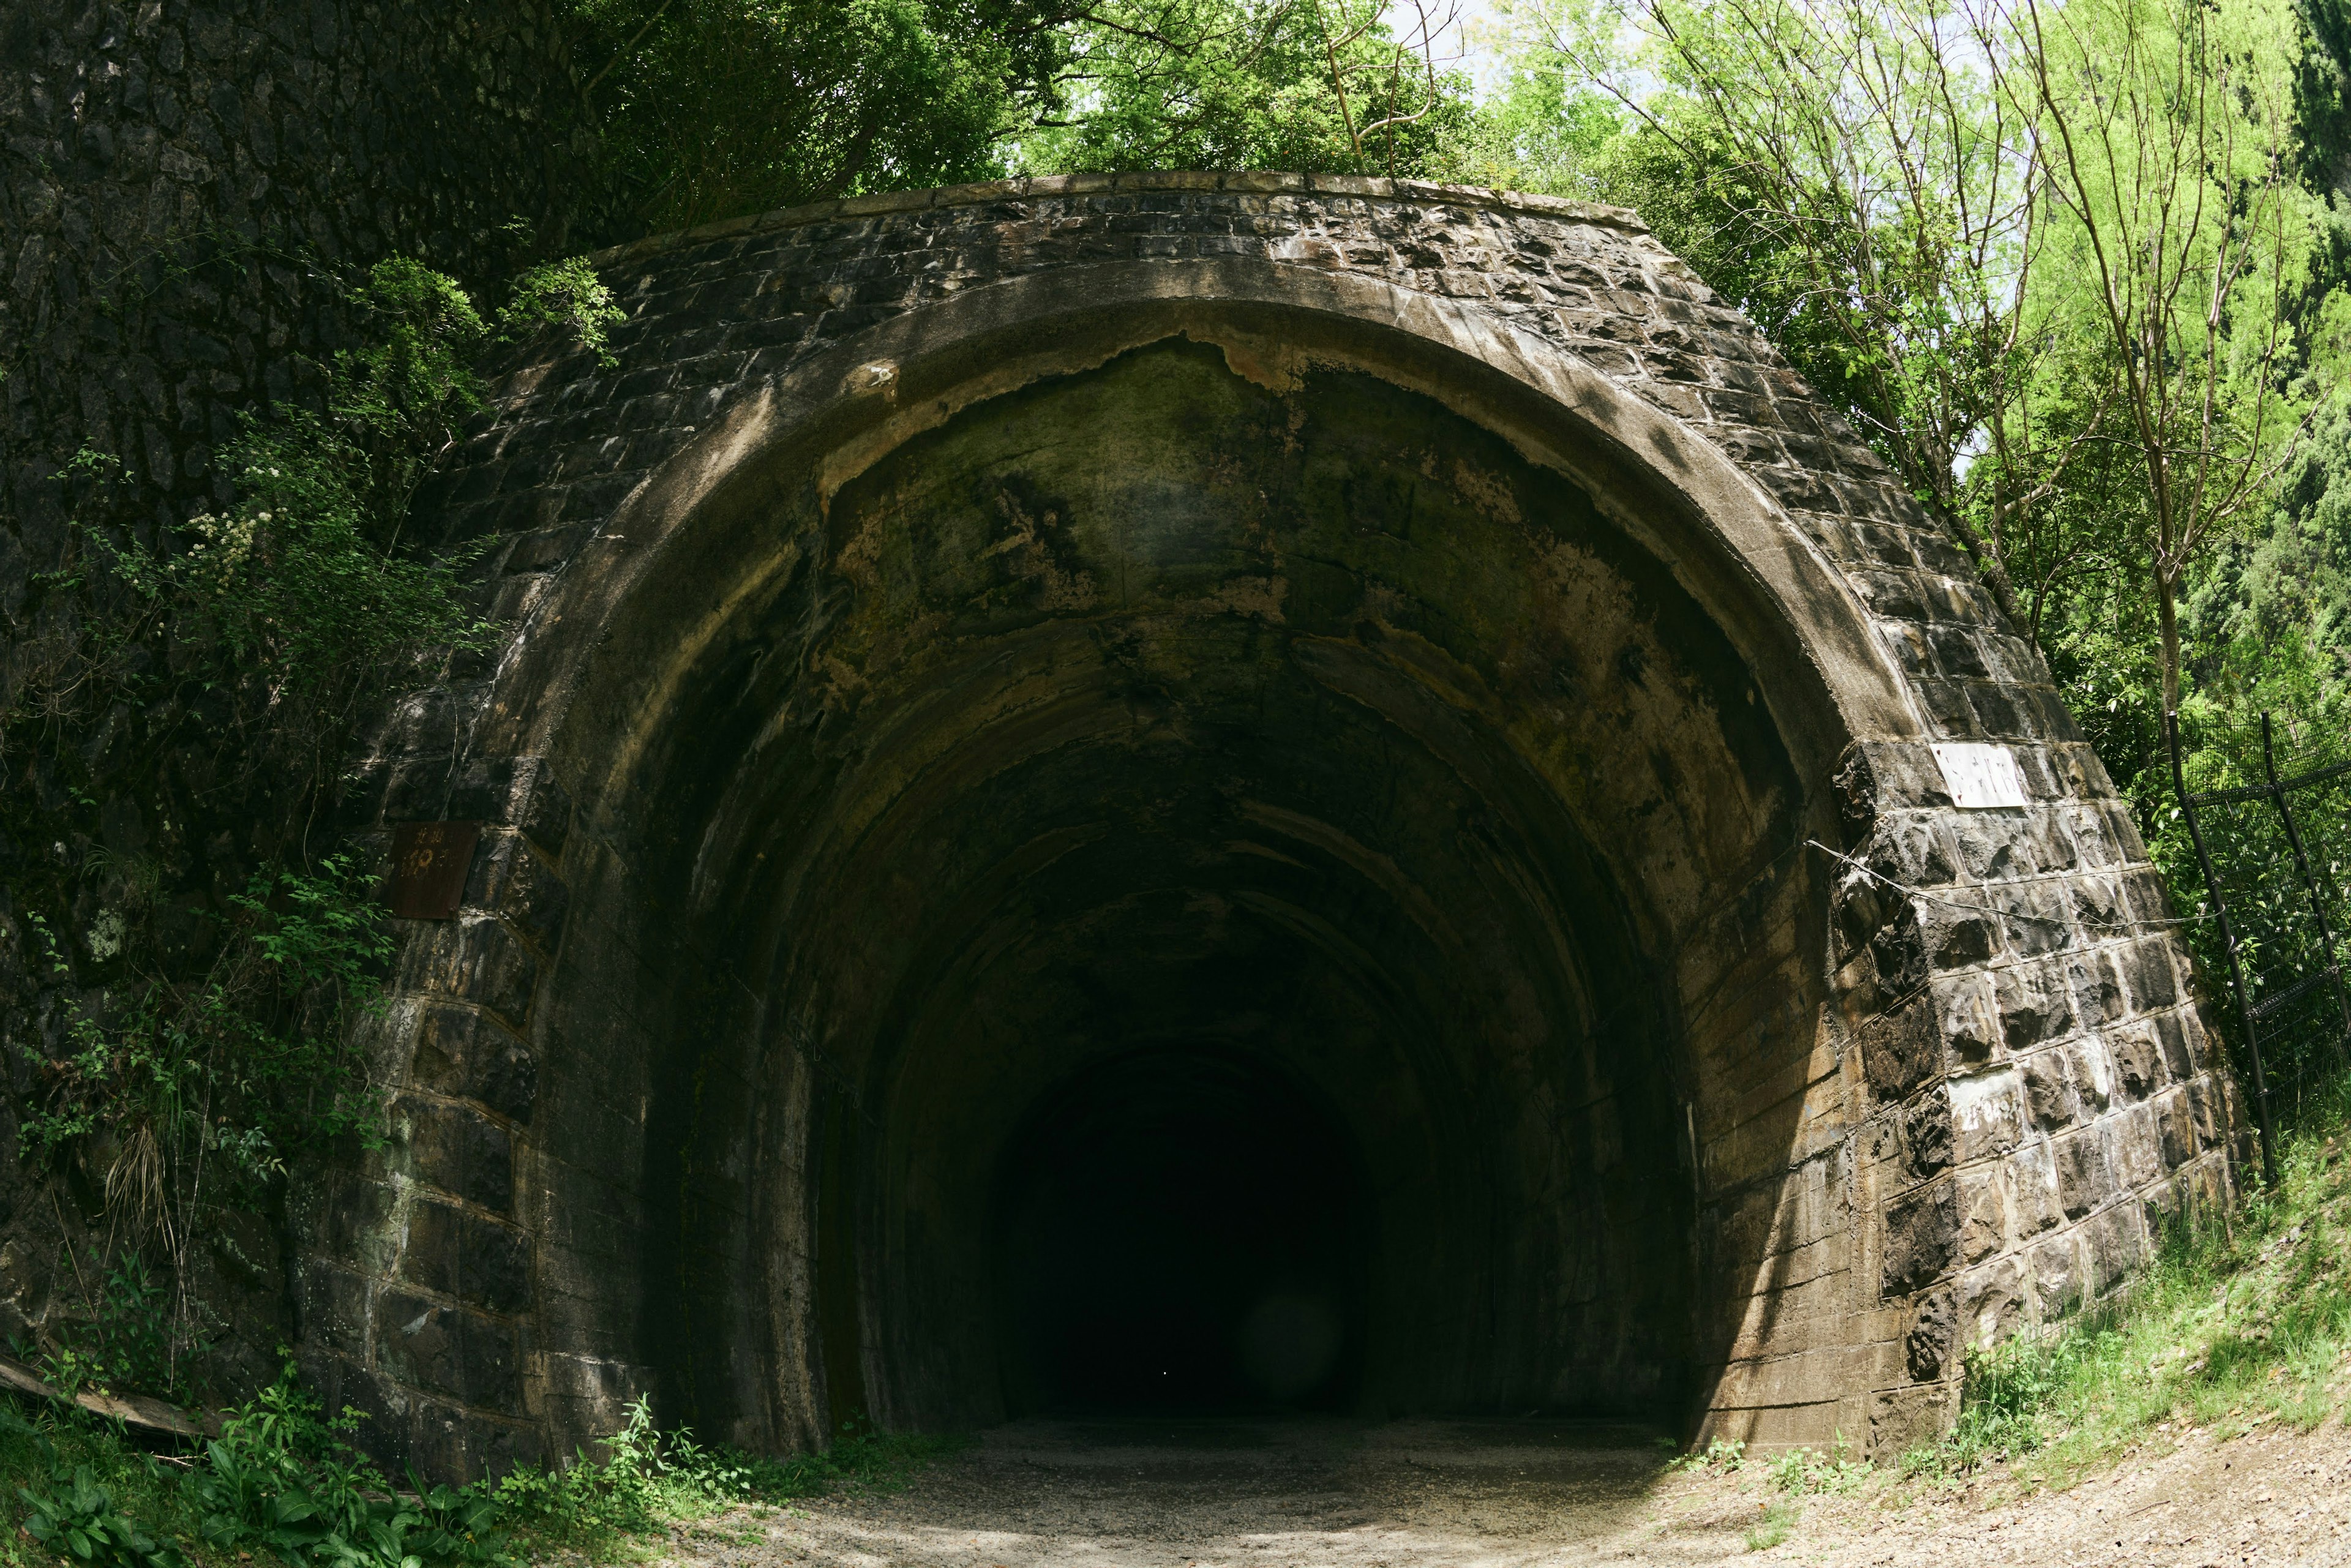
(1502, 1494)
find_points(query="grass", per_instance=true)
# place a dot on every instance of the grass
(2239, 1319)
(1778, 1522)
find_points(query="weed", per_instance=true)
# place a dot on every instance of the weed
(1724, 1456)
(1778, 1522)
(78, 1521)
(1800, 1471)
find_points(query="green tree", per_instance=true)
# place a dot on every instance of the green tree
(1309, 86)
(2166, 132)
(713, 108)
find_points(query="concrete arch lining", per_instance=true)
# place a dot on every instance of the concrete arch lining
(716, 562)
(1828, 678)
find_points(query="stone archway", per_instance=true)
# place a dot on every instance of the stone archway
(1185, 657)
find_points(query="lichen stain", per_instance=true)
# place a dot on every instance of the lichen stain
(1489, 493)
(1058, 587)
(1269, 365)
(1257, 597)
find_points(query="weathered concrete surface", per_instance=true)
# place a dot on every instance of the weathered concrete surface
(1407, 641)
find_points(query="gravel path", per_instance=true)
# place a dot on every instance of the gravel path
(1501, 1494)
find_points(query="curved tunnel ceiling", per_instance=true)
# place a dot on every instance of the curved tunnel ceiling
(1157, 707)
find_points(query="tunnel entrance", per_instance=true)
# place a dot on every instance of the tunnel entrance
(1414, 643)
(1251, 870)
(1181, 1230)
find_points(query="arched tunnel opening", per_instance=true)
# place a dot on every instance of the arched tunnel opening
(1208, 889)
(1181, 1230)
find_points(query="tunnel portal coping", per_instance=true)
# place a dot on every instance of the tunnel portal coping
(1031, 187)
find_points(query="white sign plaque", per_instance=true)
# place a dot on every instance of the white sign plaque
(1980, 777)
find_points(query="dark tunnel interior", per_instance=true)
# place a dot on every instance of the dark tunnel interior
(1180, 1229)
(1204, 868)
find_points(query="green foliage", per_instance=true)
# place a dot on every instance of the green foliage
(284, 1480)
(284, 1477)
(219, 1046)
(1800, 1472)
(566, 296)
(1251, 84)
(87, 1496)
(1778, 1522)
(76, 1519)
(128, 1342)
(298, 586)
(1724, 1455)
(648, 1479)
(712, 109)
(205, 1086)
(1543, 129)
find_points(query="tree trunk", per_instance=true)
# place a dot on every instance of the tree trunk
(2167, 616)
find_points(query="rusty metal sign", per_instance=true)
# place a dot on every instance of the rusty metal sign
(429, 861)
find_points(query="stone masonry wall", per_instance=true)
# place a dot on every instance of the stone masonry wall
(2012, 1086)
(177, 177)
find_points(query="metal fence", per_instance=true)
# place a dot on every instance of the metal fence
(2273, 854)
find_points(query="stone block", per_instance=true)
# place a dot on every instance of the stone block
(1921, 1239)
(449, 1351)
(1902, 1419)
(2092, 1074)
(514, 880)
(1971, 1017)
(2038, 921)
(2035, 1004)
(1987, 1115)
(2176, 1034)
(1926, 1135)
(2097, 988)
(1990, 1301)
(2056, 1276)
(2137, 1060)
(1898, 951)
(2033, 1191)
(2112, 1245)
(2082, 1180)
(2054, 849)
(1983, 1216)
(459, 1150)
(1902, 1050)
(1908, 851)
(417, 1341)
(2149, 976)
(464, 1053)
(2049, 1097)
(334, 1307)
(1993, 845)
(2176, 1129)
(428, 1252)
(1926, 1348)
(494, 1265)
(2134, 1148)
(477, 958)
(2001, 710)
